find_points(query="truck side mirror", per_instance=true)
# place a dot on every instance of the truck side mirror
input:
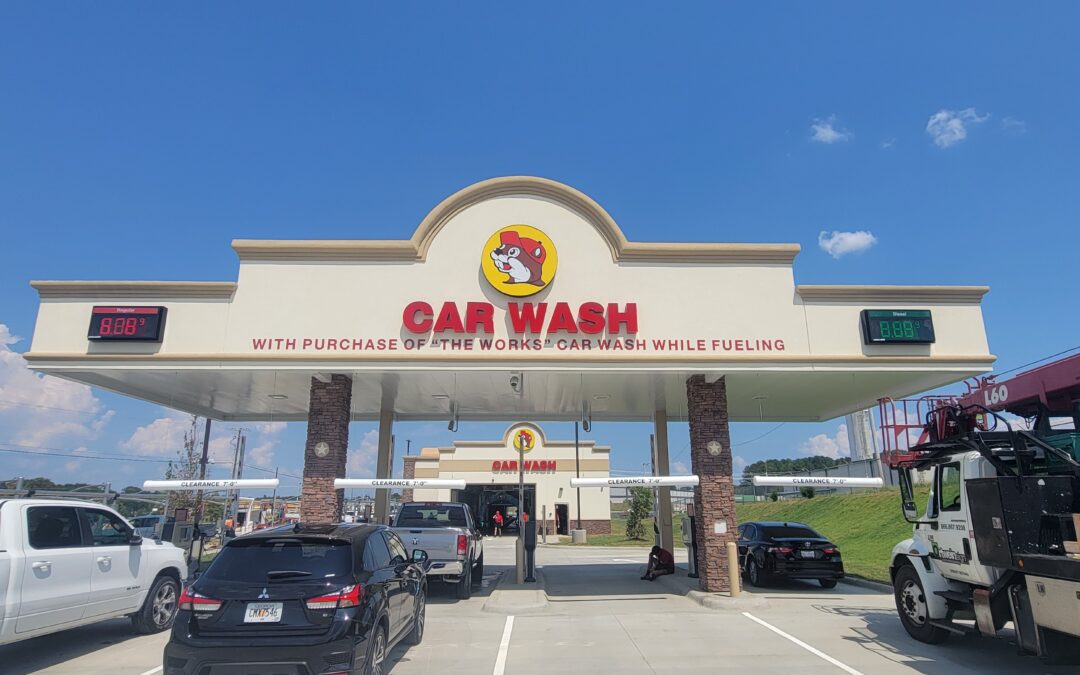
(907, 496)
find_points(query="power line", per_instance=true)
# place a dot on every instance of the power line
(82, 456)
(1045, 358)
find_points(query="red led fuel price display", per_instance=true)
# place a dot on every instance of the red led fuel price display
(127, 323)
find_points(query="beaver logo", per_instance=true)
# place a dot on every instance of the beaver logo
(523, 440)
(519, 260)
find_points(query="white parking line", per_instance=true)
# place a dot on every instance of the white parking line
(815, 652)
(151, 672)
(504, 647)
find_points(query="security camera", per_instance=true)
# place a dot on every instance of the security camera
(517, 383)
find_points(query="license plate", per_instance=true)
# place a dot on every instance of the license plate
(806, 554)
(262, 612)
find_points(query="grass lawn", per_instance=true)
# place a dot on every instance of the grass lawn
(618, 534)
(864, 525)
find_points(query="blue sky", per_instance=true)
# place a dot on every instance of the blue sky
(136, 141)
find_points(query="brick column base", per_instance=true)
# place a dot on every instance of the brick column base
(329, 410)
(714, 497)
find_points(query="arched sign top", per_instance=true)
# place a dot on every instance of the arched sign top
(416, 248)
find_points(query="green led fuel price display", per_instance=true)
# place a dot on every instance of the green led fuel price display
(901, 326)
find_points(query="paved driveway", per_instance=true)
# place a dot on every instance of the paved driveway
(598, 617)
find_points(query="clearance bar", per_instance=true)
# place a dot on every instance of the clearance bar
(386, 483)
(817, 481)
(242, 484)
(647, 481)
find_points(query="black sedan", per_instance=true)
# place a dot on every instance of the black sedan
(318, 599)
(771, 549)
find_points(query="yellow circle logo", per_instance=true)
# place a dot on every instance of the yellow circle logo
(519, 260)
(524, 440)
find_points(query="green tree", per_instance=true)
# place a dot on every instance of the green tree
(774, 496)
(640, 508)
(807, 491)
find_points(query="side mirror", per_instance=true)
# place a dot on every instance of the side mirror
(419, 556)
(907, 496)
(135, 540)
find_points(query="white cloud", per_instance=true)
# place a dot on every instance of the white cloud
(362, 459)
(887, 143)
(37, 409)
(268, 428)
(949, 127)
(823, 131)
(839, 244)
(680, 469)
(1013, 125)
(162, 437)
(829, 446)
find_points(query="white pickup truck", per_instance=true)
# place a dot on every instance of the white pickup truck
(68, 563)
(448, 533)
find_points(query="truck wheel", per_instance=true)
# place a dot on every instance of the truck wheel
(478, 572)
(464, 584)
(912, 609)
(158, 610)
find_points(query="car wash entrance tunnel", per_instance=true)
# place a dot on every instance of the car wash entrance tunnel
(516, 299)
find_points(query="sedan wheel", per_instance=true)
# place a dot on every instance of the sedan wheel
(754, 573)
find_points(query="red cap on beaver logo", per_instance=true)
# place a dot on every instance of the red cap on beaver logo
(531, 247)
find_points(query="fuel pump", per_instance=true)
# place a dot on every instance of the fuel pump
(690, 541)
(530, 550)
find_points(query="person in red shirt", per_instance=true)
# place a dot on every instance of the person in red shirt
(660, 562)
(498, 518)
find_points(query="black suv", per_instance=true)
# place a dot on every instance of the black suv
(301, 600)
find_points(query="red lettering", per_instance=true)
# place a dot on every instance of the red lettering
(616, 319)
(409, 317)
(591, 318)
(562, 319)
(527, 318)
(479, 314)
(495, 466)
(449, 319)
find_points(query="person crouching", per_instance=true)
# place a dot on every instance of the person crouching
(660, 562)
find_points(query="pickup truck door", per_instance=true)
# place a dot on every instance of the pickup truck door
(115, 566)
(56, 568)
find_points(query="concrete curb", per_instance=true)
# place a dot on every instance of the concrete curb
(510, 598)
(677, 585)
(867, 584)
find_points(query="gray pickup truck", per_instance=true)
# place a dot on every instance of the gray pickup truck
(450, 535)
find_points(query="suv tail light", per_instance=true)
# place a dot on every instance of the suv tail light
(349, 596)
(462, 544)
(192, 601)
(783, 550)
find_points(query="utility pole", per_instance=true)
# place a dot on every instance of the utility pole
(202, 473)
(273, 504)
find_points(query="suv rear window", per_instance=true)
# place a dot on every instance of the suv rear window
(431, 515)
(253, 560)
(785, 531)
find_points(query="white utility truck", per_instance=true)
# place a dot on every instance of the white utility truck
(997, 542)
(69, 563)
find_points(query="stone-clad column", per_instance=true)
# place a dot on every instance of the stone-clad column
(329, 410)
(408, 472)
(714, 497)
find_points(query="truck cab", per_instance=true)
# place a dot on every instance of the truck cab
(67, 563)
